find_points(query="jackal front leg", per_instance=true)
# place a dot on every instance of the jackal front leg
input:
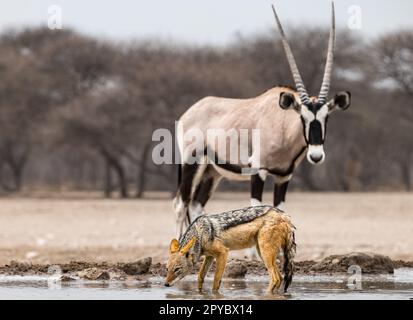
(220, 267)
(204, 270)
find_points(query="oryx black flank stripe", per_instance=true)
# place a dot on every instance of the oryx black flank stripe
(222, 164)
(230, 167)
(278, 172)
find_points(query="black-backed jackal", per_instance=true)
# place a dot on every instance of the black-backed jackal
(213, 236)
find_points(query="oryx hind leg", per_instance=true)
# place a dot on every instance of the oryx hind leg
(183, 197)
(191, 174)
(180, 214)
(203, 192)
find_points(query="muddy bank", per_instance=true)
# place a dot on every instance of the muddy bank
(86, 270)
(236, 268)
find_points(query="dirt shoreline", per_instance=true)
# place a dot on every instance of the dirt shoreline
(124, 270)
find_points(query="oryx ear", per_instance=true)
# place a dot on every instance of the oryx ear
(287, 101)
(341, 101)
(174, 246)
(188, 246)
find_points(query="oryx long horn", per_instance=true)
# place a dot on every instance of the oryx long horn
(325, 86)
(291, 61)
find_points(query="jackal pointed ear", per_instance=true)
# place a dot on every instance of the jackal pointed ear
(174, 246)
(188, 246)
(341, 101)
(287, 101)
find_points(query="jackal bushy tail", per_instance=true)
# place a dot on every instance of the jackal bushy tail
(289, 253)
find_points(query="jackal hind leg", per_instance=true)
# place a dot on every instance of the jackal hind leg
(206, 265)
(258, 251)
(269, 247)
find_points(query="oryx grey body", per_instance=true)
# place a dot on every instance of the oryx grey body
(291, 125)
(281, 132)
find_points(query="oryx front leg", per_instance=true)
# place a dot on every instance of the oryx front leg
(257, 187)
(280, 190)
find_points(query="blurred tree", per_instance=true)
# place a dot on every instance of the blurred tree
(23, 106)
(393, 67)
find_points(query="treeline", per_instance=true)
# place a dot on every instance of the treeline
(78, 112)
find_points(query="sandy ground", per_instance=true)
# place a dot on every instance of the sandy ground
(53, 230)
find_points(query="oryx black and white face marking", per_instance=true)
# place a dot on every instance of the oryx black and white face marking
(314, 118)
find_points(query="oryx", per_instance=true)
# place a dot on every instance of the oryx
(291, 124)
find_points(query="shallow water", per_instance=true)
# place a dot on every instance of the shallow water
(397, 286)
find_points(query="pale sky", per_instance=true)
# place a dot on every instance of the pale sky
(202, 21)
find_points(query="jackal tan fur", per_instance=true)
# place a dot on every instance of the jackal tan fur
(213, 236)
